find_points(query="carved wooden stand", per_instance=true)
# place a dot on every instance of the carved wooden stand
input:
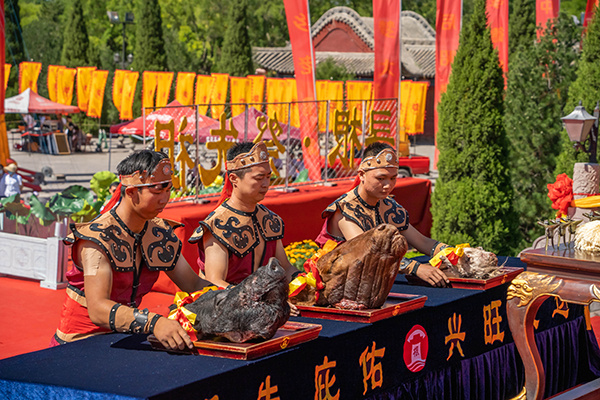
(564, 273)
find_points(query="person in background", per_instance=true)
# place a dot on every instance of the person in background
(12, 183)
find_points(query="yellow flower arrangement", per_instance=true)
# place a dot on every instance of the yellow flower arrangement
(299, 252)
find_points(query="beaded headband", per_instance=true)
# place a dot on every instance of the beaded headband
(257, 155)
(161, 174)
(386, 158)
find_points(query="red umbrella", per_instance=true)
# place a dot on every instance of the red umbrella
(173, 111)
(29, 102)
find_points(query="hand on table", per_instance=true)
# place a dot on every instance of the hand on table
(432, 275)
(294, 312)
(172, 335)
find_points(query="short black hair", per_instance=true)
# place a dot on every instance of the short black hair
(143, 160)
(375, 148)
(114, 184)
(236, 150)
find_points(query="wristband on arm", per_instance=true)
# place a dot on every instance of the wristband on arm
(408, 266)
(132, 320)
(437, 247)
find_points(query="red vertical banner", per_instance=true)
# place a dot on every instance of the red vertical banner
(545, 10)
(447, 33)
(298, 21)
(589, 12)
(4, 149)
(497, 15)
(386, 26)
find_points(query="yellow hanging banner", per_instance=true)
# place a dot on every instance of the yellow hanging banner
(356, 91)
(66, 81)
(240, 94)
(322, 92)
(405, 89)
(129, 83)
(218, 94)
(97, 89)
(257, 90)
(415, 115)
(6, 74)
(275, 94)
(203, 88)
(28, 75)
(52, 81)
(335, 93)
(292, 96)
(184, 88)
(149, 85)
(163, 88)
(84, 84)
(117, 93)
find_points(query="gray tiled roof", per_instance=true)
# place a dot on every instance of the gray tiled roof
(418, 46)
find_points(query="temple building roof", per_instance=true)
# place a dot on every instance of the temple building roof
(347, 38)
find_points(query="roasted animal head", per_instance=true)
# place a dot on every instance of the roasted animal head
(255, 308)
(359, 273)
(475, 263)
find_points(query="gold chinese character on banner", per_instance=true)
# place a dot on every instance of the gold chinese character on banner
(301, 22)
(345, 134)
(491, 322)
(371, 371)
(446, 57)
(455, 336)
(378, 126)
(546, 5)
(183, 159)
(448, 22)
(324, 381)
(497, 35)
(208, 176)
(274, 145)
(266, 390)
(306, 65)
(562, 308)
(387, 28)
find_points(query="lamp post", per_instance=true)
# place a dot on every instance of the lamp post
(579, 124)
(114, 18)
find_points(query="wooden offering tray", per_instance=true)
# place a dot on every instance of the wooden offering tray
(396, 304)
(290, 334)
(470, 283)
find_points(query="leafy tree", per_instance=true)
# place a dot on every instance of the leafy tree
(150, 52)
(236, 55)
(521, 25)
(76, 42)
(472, 201)
(330, 70)
(15, 52)
(585, 88)
(539, 77)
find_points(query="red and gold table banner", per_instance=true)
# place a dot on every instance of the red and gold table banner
(84, 84)
(218, 94)
(240, 93)
(386, 27)
(184, 88)
(65, 85)
(203, 88)
(130, 80)
(97, 89)
(28, 75)
(497, 14)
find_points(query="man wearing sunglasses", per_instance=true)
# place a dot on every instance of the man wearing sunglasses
(118, 256)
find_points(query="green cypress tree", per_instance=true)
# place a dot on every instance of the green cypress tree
(75, 40)
(521, 24)
(472, 201)
(150, 52)
(538, 79)
(14, 45)
(586, 88)
(236, 54)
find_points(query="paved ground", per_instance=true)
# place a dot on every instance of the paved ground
(78, 168)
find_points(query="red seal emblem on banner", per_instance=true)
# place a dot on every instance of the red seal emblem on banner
(416, 347)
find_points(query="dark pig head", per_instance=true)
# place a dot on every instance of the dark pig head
(255, 308)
